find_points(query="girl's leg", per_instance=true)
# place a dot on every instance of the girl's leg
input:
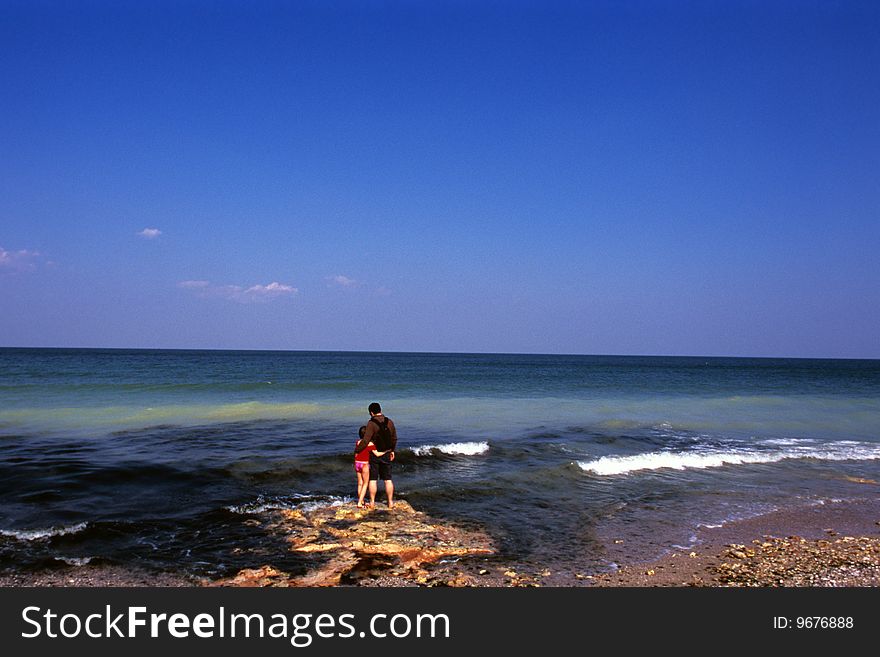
(360, 486)
(365, 482)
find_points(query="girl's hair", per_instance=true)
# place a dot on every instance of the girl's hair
(362, 431)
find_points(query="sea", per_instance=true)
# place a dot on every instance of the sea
(169, 461)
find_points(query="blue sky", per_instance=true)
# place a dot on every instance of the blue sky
(601, 178)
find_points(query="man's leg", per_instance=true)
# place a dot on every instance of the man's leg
(374, 485)
(389, 491)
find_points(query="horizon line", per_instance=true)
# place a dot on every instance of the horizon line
(428, 353)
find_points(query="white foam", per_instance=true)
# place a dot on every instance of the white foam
(257, 507)
(292, 502)
(74, 561)
(42, 534)
(823, 502)
(456, 449)
(320, 504)
(615, 465)
(786, 442)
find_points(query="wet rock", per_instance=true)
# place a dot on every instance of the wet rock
(350, 544)
(264, 576)
(860, 480)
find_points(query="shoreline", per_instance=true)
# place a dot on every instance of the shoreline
(834, 543)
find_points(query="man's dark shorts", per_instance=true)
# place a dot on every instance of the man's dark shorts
(380, 468)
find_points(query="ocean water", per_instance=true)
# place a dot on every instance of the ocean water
(164, 459)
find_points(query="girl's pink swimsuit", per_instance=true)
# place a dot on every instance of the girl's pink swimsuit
(363, 457)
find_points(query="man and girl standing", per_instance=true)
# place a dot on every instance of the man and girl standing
(374, 453)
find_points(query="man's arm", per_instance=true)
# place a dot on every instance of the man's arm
(368, 436)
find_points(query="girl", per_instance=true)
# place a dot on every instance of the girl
(362, 466)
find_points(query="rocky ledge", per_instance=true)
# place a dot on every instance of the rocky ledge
(352, 546)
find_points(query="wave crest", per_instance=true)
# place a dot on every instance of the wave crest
(42, 534)
(289, 502)
(615, 465)
(453, 449)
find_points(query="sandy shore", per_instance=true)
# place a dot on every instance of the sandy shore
(94, 576)
(831, 544)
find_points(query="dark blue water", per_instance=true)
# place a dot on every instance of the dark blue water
(164, 459)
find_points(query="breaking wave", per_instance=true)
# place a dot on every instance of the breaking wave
(454, 449)
(265, 503)
(42, 534)
(616, 465)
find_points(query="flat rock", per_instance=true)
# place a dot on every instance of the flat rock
(352, 544)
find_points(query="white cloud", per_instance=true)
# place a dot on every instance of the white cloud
(270, 290)
(149, 233)
(239, 293)
(22, 260)
(342, 281)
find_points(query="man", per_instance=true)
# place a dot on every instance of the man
(383, 433)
